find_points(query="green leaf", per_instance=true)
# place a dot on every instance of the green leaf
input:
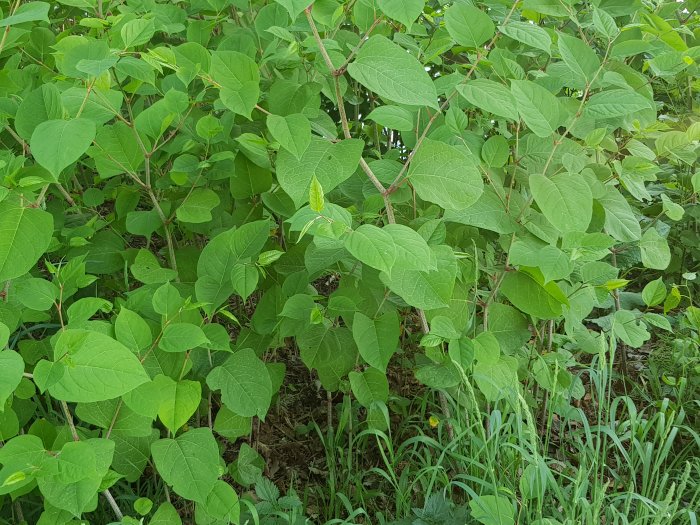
(445, 175)
(132, 331)
(388, 70)
(11, 370)
(565, 200)
(166, 515)
(244, 279)
(616, 103)
(468, 26)
(294, 7)
(404, 11)
(393, 117)
(529, 34)
(180, 337)
(620, 221)
(656, 253)
(231, 425)
(222, 503)
(492, 510)
(316, 197)
(495, 151)
(244, 382)
(490, 96)
(179, 401)
(330, 163)
(293, 132)
(412, 251)
(532, 297)
(372, 246)
(509, 327)
(537, 107)
(238, 78)
(36, 294)
(29, 12)
(369, 386)
(137, 32)
(189, 463)
(56, 144)
(197, 206)
(42, 104)
(90, 367)
(377, 339)
(579, 57)
(654, 292)
(630, 329)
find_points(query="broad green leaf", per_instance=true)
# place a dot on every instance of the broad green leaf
(495, 151)
(509, 327)
(222, 503)
(372, 246)
(490, 96)
(654, 292)
(244, 278)
(189, 463)
(165, 515)
(180, 337)
(115, 415)
(132, 331)
(532, 297)
(244, 382)
(529, 34)
(56, 144)
(179, 400)
(628, 327)
(620, 221)
(238, 78)
(294, 7)
(248, 178)
(493, 510)
(293, 132)
(11, 370)
(369, 386)
(330, 163)
(605, 24)
(565, 200)
(377, 339)
(497, 378)
(393, 117)
(578, 56)
(197, 206)
(231, 425)
(89, 366)
(37, 294)
(42, 104)
(137, 32)
(656, 253)
(388, 70)
(468, 26)
(29, 12)
(537, 107)
(404, 11)
(412, 251)
(615, 103)
(445, 175)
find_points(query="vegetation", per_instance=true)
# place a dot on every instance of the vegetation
(361, 261)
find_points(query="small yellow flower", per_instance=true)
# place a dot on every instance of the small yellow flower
(433, 421)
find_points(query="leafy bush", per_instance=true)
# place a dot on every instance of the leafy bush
(497, 198)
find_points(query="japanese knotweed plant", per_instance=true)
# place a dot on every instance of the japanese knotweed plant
(187, 187)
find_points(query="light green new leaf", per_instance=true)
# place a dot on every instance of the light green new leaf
(197, 207)
(330, 163)
(137, 32)
(25, 234)
(578, 56)
(11, 370)
(56, 144)
(189, 463)
(445, 175)
(656, 253)
(388, 70)
(490, 96)
(537, 107)
(372, 246)
(616, 103)
(180, 337)
(565, 200)
(529, 34)
(468, 26)
(654, 292)
(393, 117)
(178, 401)
(293, 132)
(369, 386)
(238, 78)
(245, 384)
(630, 329)
(404, 11)
(377, 339)
(89, 366)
